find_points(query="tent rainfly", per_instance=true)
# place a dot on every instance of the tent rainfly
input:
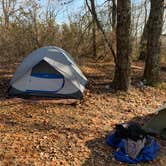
(50, 72)
(157, 125)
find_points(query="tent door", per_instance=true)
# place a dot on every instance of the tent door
(44, 78)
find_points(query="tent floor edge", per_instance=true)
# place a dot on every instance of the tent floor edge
(27, 95)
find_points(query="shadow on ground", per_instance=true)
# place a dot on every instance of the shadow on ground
(100, 80)
(4, 84)
(102, 154)
(5, 76)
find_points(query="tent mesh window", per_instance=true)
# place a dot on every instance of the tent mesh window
(44, 68)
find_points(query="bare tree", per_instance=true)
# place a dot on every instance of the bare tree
(8, 8)
(114, 14)
(152, 63)
(143, 41)
(92, 10)
(123, 33)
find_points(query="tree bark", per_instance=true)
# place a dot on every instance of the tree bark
(123, 36)
(152, 63)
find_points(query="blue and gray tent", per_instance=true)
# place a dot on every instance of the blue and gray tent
(48, 71)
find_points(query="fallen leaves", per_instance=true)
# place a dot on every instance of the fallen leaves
(44, 133)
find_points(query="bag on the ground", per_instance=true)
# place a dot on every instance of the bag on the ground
(132, 144)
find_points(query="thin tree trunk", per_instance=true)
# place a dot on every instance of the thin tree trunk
(123, 32)
(114, 15)
(93, 27)
(99, 26)
(152, 64)
(94, 38)
(5, 8)
(143, 41)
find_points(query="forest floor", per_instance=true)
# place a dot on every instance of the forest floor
(39, 134)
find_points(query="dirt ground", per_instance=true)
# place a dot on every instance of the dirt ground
(39, 134)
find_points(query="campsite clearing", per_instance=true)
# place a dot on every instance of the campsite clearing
(56, 134)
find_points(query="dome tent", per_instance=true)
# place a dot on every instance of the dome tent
(48, 71)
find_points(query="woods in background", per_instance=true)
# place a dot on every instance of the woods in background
(100, 31)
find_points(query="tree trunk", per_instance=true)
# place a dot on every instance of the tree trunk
(5, 9)
(143, 41)
(93, 27)
(123, 32)
(152, 64)
(114, 14)
(99, 26)
(94, 38)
